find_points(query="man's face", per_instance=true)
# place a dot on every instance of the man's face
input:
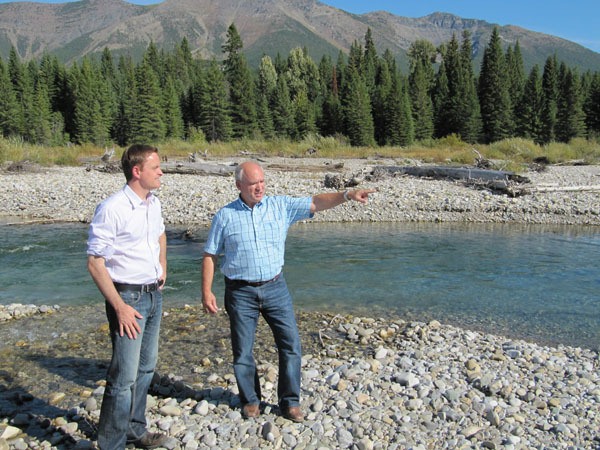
(252, 185)
(149, 172)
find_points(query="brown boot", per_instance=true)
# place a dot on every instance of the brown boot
(249, 411)
(293, 413)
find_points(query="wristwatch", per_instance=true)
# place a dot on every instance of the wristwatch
(346, 196)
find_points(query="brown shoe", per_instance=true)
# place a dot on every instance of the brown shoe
(249, 411)
(149, 440)
(293, 413)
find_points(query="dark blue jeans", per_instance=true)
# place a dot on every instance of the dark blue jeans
(123, 412)
(273, 301)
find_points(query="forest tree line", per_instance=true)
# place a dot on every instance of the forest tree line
(362, 97)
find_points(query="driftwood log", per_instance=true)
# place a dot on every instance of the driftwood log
(456, 173)
(198, 168)
(307, 168)
(590, 188)
(496, 180)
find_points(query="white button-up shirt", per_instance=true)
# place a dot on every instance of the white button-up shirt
(125, 232)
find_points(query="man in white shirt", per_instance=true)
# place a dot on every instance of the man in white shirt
(127, 260)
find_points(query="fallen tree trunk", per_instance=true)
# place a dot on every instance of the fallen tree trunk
(307, 168)
(455, 173)
(593, 187)
(193, 168)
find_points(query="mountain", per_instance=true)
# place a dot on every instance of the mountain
(73, 30)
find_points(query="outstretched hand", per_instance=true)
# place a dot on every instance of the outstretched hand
(361, 195)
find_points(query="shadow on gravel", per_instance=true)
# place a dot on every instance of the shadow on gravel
(35, 416)
(84, 372)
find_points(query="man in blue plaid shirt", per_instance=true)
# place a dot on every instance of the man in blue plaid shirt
(249, 234)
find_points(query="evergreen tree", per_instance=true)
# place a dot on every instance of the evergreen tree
(471, 127)
(357, 110)
(280, 63)
(423, 51)
(304, 116)
(40, 125)
(332, 119)
(266, 85)
(283, 114)
(440, 99)
(147, 122)
(126, 93)
(516, 76)
(400, 125)
(153, 60)
(22, 87)
(369, 63)
(213, 106)
(109, 88)
(529, 108)
(51, 74)
(182, 66)
(173, 118)
(451, 111)
(340, 68)
(592, 107)
(494, 98)
(242, 99)
(457, 107)
(302, 74)
(355, 58)
(549, 100)
(381, 115)
(421, 78)
(570, 118)
(194, 99)
(90, 123)
(8, 104)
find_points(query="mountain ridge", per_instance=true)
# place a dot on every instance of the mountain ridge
(86, 27)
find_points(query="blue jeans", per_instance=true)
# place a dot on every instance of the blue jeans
(244, 304)
(123, 412)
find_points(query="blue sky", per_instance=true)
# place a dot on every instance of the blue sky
(575, 20)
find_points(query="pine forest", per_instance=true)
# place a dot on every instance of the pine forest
(362, 97)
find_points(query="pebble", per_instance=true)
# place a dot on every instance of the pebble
(18, 310)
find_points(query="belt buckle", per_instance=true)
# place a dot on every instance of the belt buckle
(146, 288)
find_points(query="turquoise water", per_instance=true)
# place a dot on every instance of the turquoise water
(540, 283)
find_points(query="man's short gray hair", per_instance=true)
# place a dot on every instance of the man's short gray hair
(239, 170)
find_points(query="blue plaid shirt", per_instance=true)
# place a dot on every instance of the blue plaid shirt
(252, 240)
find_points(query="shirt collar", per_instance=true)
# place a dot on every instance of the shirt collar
(134, 199)
(244, 205)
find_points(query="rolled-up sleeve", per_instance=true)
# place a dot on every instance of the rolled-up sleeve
(101, 234)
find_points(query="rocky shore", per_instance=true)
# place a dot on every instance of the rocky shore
(72, 193)
(367, 383)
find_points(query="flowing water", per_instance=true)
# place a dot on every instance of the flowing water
(540, 283)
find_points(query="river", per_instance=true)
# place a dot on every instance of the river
(534, 282)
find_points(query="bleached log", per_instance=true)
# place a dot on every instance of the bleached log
(456, 173)
(594, 187)
(307, 168)
(191, 168)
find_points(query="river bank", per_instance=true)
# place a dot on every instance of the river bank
(366, 383)
(72, 193)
